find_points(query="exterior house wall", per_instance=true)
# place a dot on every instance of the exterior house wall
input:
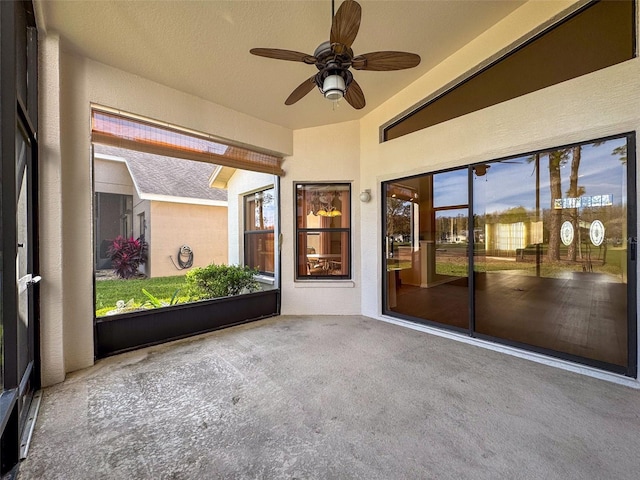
(112, 177)
(202, 227)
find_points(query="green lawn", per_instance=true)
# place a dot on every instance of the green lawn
(108, 292)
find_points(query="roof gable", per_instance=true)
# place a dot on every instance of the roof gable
(157, 175)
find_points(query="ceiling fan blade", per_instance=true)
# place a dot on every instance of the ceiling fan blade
(280, 54)
(385, 61)
(354, 95)
(345, 25)
(302, 89)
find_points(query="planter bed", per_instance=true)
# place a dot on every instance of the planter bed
(130, 331)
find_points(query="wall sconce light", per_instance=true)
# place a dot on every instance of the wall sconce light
(481, 170)
(365, 196)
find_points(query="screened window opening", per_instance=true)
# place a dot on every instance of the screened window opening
(259, 228)
(323, 230)
(185, 230)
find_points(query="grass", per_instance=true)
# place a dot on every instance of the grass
(108, 292)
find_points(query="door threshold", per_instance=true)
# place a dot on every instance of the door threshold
(30, 424)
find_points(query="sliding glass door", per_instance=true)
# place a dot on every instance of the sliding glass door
(552, 236)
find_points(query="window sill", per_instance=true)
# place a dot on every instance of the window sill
(265, 279)
(324, 284)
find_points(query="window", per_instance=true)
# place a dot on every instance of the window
(259, 226)
(142, 226)
(323, 230)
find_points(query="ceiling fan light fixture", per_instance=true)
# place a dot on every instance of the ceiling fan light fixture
(333, 87)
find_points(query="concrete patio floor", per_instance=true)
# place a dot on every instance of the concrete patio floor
(332, 398)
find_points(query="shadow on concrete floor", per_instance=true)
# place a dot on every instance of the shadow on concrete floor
(331, 398)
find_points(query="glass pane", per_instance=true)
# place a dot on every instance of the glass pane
(323, 206)
(22, 262)
(323, 254)
(426, 254)
(260, 211)
(551, 251)
(259, 252)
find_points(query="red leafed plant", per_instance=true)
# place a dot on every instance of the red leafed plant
(126, 255)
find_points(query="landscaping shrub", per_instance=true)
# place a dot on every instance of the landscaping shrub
(216, 281)
(127, 255)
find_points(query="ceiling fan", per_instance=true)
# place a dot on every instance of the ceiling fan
(334, 58)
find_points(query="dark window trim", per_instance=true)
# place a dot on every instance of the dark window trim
(511, 49)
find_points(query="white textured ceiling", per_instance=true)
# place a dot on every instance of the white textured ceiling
(202, 47)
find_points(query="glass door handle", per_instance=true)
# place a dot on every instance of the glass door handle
(27, 281)
(633, 245)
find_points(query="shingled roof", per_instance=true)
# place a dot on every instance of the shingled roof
(156, 176)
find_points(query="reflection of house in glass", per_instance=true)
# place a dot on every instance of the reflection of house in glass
(168, 201)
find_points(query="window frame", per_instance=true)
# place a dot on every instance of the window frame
(304, 230)
(246, 234)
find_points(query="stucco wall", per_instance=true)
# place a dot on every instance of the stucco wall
(50, 224)
(171, 225)
(69, 84)
(324, 154)
(112, 177)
